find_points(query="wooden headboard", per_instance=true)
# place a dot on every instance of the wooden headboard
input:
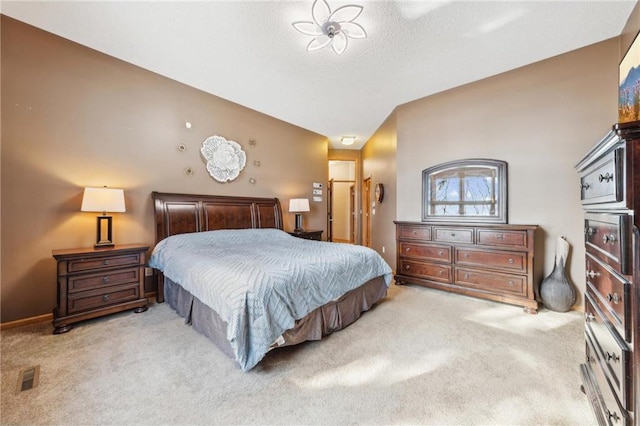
(184, 213)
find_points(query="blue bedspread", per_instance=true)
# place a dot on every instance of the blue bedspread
(260, 281)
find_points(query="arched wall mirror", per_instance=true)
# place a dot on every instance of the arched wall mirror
(471, 190)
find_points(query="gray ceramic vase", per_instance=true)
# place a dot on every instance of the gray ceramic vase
(556, 291)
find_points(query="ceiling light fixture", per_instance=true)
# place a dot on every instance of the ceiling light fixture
(331, 28)
(348, 140)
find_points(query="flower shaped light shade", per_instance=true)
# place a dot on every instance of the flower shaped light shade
(331, 28)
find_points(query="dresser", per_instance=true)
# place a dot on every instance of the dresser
(492, 262)
(308, 234)
(96, 282)
(609, 189)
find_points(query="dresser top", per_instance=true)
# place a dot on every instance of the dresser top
(91, 251)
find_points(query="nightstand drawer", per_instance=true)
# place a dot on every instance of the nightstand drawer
(79, 265)
(94, 299)
(108, 278)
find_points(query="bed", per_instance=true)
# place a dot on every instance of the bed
(225, 264)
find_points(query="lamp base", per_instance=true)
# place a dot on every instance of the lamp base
(298, 226)
(103, 234)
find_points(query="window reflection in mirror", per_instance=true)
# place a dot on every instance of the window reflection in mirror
(473, 190)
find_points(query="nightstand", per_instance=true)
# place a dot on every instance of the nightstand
(97, 282)
(307, 235)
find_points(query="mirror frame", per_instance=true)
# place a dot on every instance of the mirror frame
(501, 189)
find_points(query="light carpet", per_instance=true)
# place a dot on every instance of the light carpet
(421, 356)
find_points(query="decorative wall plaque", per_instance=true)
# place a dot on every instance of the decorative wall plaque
(225, 159)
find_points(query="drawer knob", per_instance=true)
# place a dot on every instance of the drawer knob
(453, 234)
(585, 186)
(609, 239)
(407, 249)
(500, 237)
(105, 298)
(440, 272)
(510, 260)
(106, 262)
(415, 232)
(613, 416)
(592, 274)
(466, 276)
(440, 252)
(105, 279)
(612, 357)
(606, 178)
(407, 267)
(511, 283)
(466, 255)
(615, 297)
(588, 317)
(590, 231)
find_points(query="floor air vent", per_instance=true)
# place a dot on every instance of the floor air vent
(28, 378)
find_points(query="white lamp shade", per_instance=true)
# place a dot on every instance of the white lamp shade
(298, 205)
(103, 200)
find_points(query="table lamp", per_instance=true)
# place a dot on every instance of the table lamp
(297, 206)
(103, 200)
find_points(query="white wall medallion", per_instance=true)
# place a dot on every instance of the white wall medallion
(225, 159)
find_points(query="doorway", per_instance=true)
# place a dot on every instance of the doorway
(341, 222)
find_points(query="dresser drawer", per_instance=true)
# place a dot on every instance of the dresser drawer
(94, 299)
(107, 278)
(502, 238)
(415, 232)
(611, 293)
(453, 235)
(492, 282)
(426, 252)
(607, 237)
(613, 354)
(85, 264)
(612, 410)
(512, 261)
(432, 271)
(603, 182)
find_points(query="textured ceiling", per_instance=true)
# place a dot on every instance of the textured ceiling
(249, 53)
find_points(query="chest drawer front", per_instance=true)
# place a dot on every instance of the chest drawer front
(432, 271)
(607, 237)
(611, 294)
(94, 299)
(512, 261)
(614, 357)
(79, 265)
(499, 238)
(453, 235)
(427, 252)
(414, 232)
(108, 278)
(603, 182)
(492, 282)
(612, 409)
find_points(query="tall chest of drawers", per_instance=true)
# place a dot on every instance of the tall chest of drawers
(609, 186)
(492, 262)
(96, 282)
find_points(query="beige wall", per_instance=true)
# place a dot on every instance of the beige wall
(73, 117)
(379, 164)
(541, 119)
